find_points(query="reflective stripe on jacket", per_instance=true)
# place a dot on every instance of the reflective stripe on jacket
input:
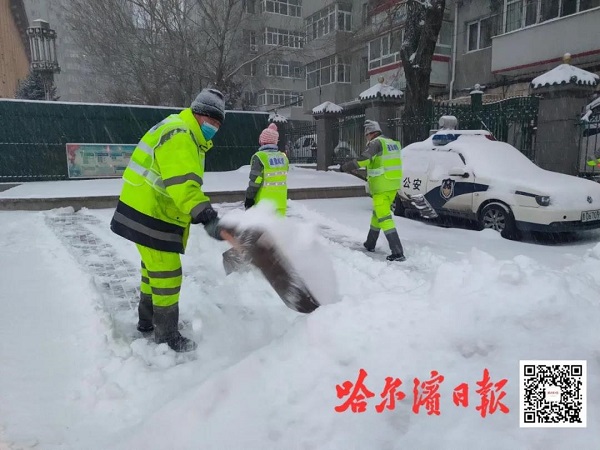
(162, 188)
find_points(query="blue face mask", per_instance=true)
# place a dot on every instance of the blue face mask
(208, 130)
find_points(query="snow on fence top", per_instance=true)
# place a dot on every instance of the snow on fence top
(277, 118)
(327, 107)
(380, 90)
(565, 74)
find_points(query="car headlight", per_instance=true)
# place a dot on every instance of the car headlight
(542, 200)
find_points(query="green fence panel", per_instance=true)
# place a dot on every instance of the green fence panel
(33, 135)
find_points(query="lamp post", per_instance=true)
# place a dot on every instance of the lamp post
(42, 42)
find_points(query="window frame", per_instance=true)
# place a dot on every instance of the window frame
(282, 7)
(327, 21)
(330, 66)
(539, 9)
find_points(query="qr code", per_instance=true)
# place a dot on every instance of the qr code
(552, 394)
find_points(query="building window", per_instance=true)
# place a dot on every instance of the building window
(284, 38)
(279, 97)
(364, 69)
(250, 98)
(336, 17)
(284, 7)
(444, 43)
(250, 69)
(250, 40)
(523, 13)
(364, 14)
(333, 69)
(249, 6)
(284, 69)
(385, 49)
(480, 33)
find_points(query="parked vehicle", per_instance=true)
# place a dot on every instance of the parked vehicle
(468, 174)
(306, 147)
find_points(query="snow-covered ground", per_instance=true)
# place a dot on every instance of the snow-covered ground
(232, 180)
(265, 377)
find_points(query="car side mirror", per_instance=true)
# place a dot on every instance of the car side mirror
(458, 172)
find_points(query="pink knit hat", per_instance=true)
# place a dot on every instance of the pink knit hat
(269, 135)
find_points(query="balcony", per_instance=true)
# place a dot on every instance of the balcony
(541, 47)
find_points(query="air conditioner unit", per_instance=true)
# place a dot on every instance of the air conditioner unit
(253, 48)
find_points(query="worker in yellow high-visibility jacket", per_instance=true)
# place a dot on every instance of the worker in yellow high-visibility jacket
(383, 161)
(161, 196)
(268, 173)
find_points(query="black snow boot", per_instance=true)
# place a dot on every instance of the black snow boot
(145, 312)
(395, 247)
(166, 319)
(371, 241)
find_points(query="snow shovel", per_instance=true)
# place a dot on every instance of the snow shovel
(422, 205)
(257, 248)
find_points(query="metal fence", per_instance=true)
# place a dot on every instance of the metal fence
(351, 138)
(512, 120)
(299, 140)
(589, 146)
(34, 135)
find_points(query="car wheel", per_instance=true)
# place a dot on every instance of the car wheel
(498, 217)
(397, 207)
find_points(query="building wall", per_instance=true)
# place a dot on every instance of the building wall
(14, 64)
(577, 34)
(471, 66)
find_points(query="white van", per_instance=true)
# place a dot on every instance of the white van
(306, 147)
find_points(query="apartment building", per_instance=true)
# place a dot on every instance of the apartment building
(14, 46)
(276, 80)
(346, 46)
(312, 51)
(505, 44)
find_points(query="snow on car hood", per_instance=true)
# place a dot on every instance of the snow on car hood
(506, 168)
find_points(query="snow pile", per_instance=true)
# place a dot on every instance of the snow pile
(233, 180)
(565, 74)
(266, 377)
(380, 90)
(477, 314)
(327, 107)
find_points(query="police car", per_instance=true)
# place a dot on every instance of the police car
(468, 174)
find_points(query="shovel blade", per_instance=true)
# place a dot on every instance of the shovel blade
(259, 249)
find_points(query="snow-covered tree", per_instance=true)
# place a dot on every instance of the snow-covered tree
(33, 88)
(423, 24)
(165, 51)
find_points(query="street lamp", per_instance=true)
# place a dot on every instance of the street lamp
(42, 42)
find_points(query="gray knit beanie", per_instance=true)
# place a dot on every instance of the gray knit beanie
(372, 126)
(210, 102)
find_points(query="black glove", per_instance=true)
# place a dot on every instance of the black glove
(249, 203)
(205, 216)
(348, 167)
(213, 229)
